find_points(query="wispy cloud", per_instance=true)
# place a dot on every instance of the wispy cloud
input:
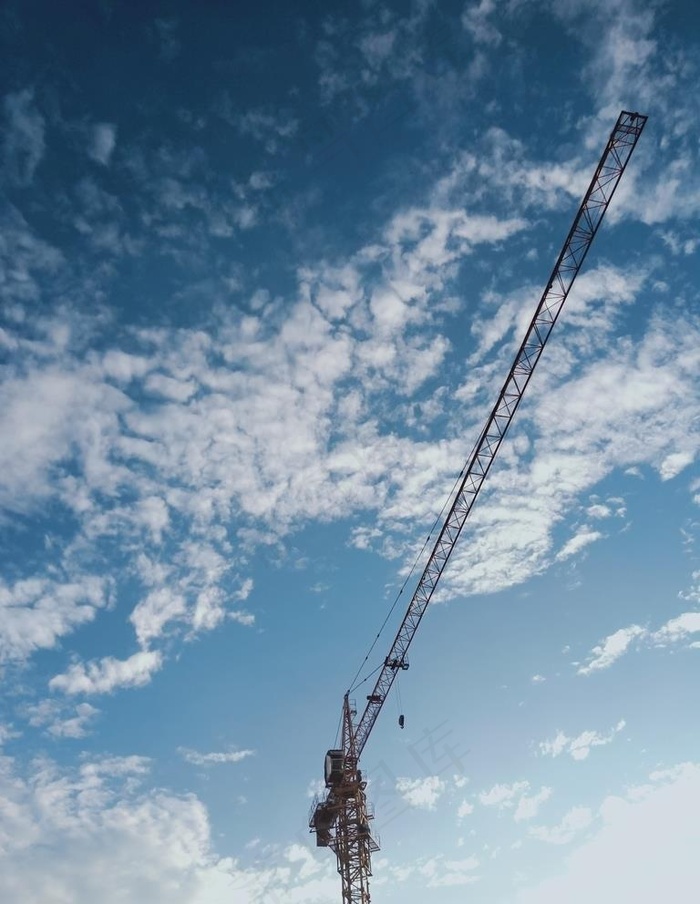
(611, 649)
(442, 872)
(466, 808)
(214, 759)
(676, 630)
(167, 33)
(584, 537)
(422, 793)
(580, 746)
(503, 796)
(529, 806)
(262, 440)
(572, 824)
(515, 796)
(24, 137)
(476, 19)
(38, 612)
(623, 846)
(152, 614)
(106, 675)
(60, 720)
(102, 142)
(7, 733)
(57, 814)
(178, 402)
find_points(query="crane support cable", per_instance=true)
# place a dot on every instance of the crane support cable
(355, 683)
(621, 143)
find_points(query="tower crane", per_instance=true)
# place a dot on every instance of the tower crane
(341, 817)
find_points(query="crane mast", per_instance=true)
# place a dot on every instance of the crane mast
(341, 819)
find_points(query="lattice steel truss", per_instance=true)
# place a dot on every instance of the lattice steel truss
(345, 806)
(353, 842)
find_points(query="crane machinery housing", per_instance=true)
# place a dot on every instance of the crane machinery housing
(342, 818)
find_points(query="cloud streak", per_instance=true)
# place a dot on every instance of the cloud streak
(214, 759)
(580, 746)
(24, 137)
(108, 674)
(676, 630)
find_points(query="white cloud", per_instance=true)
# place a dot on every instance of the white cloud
(673, 464)
(152, 512)
(577, 442)
(61, 721)
(556, 746)
(153, 613)
(315, 788)
(102, 142)
(692, 594)
(377, 46)
(200, 445)
(170, 388)
(572, 823)
(7, 733)
(214, 759)
(465, 809)
(579, 541)
(247, 619)
(443, 873)
(273, 129)
(209, 610)
(24, 142)
(308, 865)
(675, 630)
(528, 807)
(580, 746)
(74, 726)
(630, 52)
(611, 649)
(503, 795)
(267, 420)
(423, 793)
(45, 413)
(94, 833)
(25, 260)
(38, 612)
(245, 590)
(645, 848)
(106, 675)
(475, 20)
(114, 767)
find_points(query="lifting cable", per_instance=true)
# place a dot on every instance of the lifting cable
(399, 703)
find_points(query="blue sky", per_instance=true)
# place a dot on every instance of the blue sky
(262, 274)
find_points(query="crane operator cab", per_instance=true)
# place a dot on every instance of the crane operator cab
(333, 767)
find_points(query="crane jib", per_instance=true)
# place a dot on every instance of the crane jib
(586, 223)
(341, 820)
